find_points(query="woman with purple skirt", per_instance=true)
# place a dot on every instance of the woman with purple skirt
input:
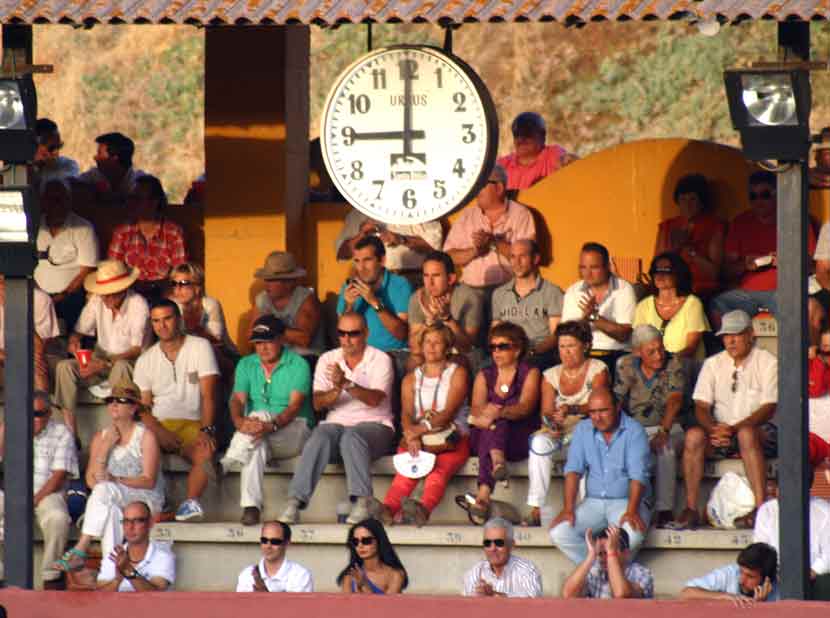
(504, 410)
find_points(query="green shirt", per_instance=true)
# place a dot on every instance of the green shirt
(291, 374)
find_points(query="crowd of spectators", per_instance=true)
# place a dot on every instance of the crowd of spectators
(445, 349)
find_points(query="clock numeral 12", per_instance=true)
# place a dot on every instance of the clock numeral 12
(440, 190)
(458, 168)
(357, 170)
(408, 199)
(360, 103)
(409, 69)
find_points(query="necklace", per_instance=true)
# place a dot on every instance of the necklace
(419, 386)
(504, 388)
(574, 373)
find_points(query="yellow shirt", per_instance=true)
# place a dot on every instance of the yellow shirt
(689, 319)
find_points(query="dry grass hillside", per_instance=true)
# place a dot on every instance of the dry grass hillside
(598, 85)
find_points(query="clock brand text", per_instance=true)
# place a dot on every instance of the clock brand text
(414, 99)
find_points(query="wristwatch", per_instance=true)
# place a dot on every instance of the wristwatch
(348, 385)
(132, 574)
(379, 307)
(209, 430)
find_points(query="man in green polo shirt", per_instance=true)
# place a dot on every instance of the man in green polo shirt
(270, 408)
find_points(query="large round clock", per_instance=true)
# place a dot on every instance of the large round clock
(409, 133)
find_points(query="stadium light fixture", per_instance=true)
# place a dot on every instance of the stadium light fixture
(18, 113)
(19, 220)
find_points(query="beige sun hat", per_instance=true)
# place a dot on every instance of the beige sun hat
(112, 276)
(280, 265)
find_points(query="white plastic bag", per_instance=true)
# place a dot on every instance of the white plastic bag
(731, 498)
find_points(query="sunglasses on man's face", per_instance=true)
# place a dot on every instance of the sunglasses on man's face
(349, 333)
(364, 540)
(40, 413)
(496, 542)
(762, 195)
(501, 347)
(182, 283)
(662, 270)
(264, 540)
(54, 147)
(121, 400)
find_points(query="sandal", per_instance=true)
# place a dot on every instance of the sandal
(500, 472)
(68, 563)
(689, 520)
(477, 513)
(746, 522)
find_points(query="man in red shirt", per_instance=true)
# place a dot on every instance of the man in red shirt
(751, 261)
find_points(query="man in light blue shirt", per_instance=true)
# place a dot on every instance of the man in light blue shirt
(611, 450)
(380, 296)
(752, 579)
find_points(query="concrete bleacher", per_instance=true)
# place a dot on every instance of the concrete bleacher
(210, 554)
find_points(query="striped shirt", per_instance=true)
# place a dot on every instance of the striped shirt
(54, 449)
(597, 585)
(520, 578)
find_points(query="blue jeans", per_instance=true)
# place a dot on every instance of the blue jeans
(596, 514)
(750, 301)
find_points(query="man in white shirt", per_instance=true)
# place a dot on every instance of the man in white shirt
(118, 317)
(55, 461)
(178, 378)
(354, 383)
(767, 526)
(735, 399)
(67, 251)
(274, 572)
(139, 565)
(607, 302)
(501, 574)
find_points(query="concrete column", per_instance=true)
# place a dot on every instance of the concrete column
(256, 151)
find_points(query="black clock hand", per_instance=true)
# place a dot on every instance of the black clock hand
(407, 110)
(385, 135)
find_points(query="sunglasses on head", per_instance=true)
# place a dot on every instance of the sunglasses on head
(182, 284)
(121, 400)
(364, 540)
(349, 333)
(496, 542)
(264, 540)
(762, 195)
(501, 346)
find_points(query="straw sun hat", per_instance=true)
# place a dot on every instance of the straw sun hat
(111, 277)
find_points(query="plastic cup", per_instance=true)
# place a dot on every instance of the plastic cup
(83, 357)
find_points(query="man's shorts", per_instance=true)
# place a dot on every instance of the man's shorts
(769, 444)
(186, 430)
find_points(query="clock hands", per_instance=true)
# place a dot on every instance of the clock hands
(385, 135)
(408, 71)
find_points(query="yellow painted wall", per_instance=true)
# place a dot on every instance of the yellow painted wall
(249, 93)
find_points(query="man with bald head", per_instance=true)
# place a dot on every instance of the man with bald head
(353, 383)
(139, 565)
(530, 301)
(611, 450)
(274, 572)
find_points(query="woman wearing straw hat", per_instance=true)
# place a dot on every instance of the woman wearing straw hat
(124, 467)
(118, 318)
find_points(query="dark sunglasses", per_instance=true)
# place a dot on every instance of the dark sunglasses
(40, 413)
(122, 400)
(501, 346)
(264, 540)
(494, 182)
(54, 147)
(182, 284)
(763, 195)
(496, 542)
(349, 333)
(364, 540)
(662, 270)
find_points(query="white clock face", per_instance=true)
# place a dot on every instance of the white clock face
(407, 133)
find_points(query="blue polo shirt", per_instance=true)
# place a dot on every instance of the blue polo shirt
(610, 466)
(394, 293)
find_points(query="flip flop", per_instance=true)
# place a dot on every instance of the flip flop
(475, 512)
(65, 562)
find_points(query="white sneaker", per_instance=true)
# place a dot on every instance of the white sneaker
(364, 508)
(291, 514)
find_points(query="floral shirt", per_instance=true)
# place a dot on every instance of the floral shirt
(155, 256)
(643, 398)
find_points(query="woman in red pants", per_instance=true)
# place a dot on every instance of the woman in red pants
(433, 415)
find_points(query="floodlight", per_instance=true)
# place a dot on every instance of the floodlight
(19, 220)
(18, 113)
